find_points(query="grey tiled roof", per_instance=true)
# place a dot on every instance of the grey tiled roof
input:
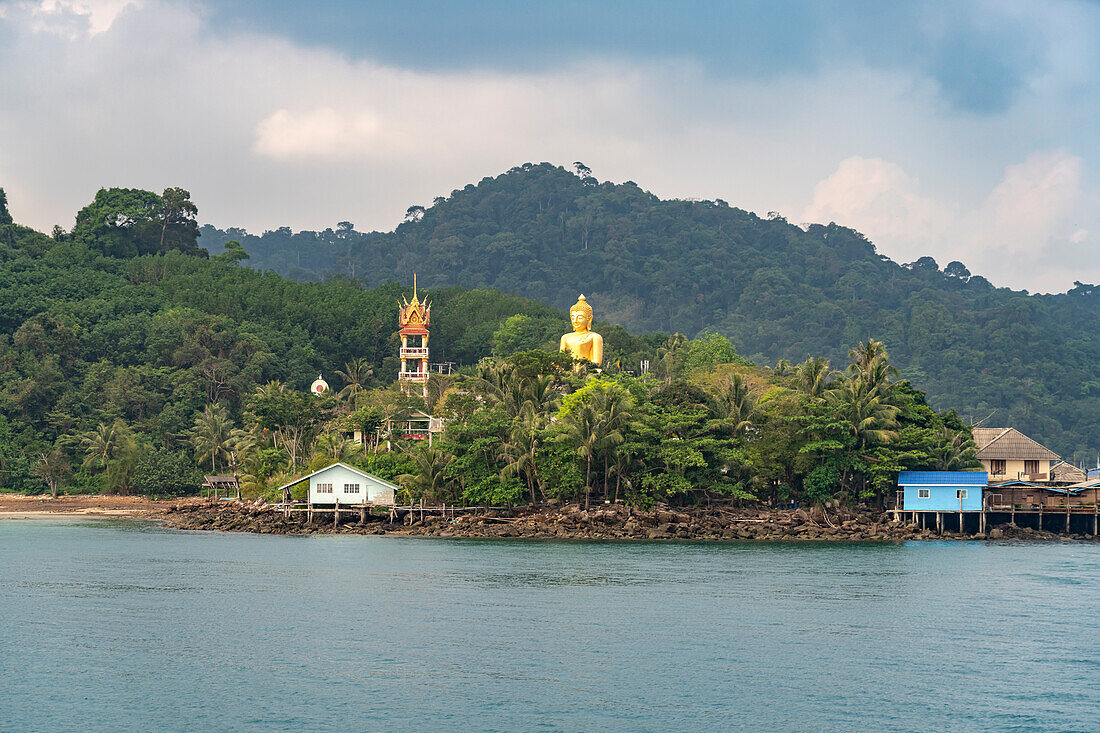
(1010, 444)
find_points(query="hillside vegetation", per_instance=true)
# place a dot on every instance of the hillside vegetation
(132, 360)
(776, 290)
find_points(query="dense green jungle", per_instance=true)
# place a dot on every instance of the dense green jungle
(136, 357)
(776, 290)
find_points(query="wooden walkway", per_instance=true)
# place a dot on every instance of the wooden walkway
(394, 513)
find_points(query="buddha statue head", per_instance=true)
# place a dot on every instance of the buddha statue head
(581, 315)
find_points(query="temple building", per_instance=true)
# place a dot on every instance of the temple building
(414, 320)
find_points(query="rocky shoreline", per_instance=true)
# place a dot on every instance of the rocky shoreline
(571, 521)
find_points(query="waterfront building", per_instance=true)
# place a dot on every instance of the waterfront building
(942, 491)
(1009, 455)
(342, 484)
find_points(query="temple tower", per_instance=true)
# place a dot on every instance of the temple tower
(413, 320)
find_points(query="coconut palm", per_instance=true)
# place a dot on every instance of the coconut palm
(735, 407)
(581, 432)
(954, 451)
(337, 448)
(867, 352)
(103, 444)
(812, 376)
(520, 449)
(666, 356)
(613, 407)
(355, 375)
(430, 479)
(623, 463)
(870, 419)
(211, 434)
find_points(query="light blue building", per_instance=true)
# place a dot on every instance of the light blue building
(942, 491)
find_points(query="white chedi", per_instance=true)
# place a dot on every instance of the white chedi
(319, 386)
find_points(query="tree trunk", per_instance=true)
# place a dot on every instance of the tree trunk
(605, 497)
(587, 482)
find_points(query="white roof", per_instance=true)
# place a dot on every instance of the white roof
(353, 469)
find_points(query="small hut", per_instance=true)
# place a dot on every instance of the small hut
(224, 486)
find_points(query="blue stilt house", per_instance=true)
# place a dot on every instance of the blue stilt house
(942, 491)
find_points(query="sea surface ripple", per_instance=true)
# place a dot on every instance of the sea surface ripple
(126, 626)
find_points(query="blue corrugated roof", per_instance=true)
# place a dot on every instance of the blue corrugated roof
(942, 478)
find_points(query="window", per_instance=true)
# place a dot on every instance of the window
(924, 493)
(351, 488)
(997, 468)
(324, 488)
(1031, 467)
(960, 493)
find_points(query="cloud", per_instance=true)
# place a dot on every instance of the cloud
(266, 132)
(321, 133)
(1009, 235)
(72, 18)
(878, 197)
(1033, 203)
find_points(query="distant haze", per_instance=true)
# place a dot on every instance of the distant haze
(961, 131)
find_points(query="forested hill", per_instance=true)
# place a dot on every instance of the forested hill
(776, 290)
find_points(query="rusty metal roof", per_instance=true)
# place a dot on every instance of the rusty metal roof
(1010, 444)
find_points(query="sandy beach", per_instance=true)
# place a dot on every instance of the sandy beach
(18, 506)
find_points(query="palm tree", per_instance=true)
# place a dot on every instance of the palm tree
(103, 444)
(736, 406)
(782, 368)
(867, 352)
(520, 449)
(355, 375)
(582, 433)
(869, 417)
(813, 376)
(613, 415)
(430, 478)
(242, 444)
(955, 450)
(666, 356)
(211, 434)
(622, 464)
(336, 447)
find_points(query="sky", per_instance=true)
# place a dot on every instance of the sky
(958, 130)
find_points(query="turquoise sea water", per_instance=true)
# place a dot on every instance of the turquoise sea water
(125, 626)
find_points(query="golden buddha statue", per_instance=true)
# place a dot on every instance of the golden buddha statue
(582, 343)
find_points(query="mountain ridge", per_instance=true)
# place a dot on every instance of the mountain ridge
(777, 290)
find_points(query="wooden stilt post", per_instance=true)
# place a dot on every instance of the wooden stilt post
(962, 525)
(363, 512)
(1095, 514)
(939, 522)
(1040, 516)
(1067, 512)
(922, 520)
(1013, 519)
(336, 514)
(309, 513)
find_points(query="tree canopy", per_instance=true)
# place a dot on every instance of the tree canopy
(775, 290)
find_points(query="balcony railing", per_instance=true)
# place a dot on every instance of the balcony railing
(413, 376)
(414, 352)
